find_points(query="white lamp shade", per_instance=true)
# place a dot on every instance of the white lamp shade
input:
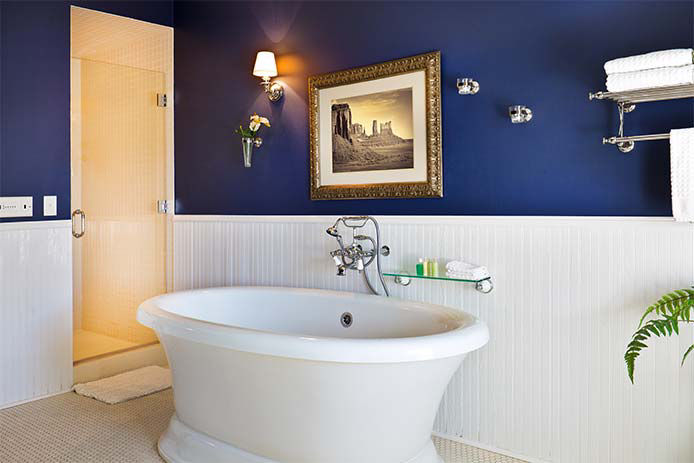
(265, 64)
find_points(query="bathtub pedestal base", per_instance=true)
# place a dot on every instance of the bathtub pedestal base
(181, 444)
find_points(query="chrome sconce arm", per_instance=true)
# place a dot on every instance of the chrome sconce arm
(274, 90)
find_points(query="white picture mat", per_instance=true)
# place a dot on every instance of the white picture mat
(418, 173)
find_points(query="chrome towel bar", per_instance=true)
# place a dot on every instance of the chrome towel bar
(626, 103)
(655, 136)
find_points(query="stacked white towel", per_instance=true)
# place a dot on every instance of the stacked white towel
(466, 271)
(656, 69)
(661, 77)
(682, 174)
(654, 60)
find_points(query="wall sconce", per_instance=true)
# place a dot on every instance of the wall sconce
(520, 114)
(265, 67)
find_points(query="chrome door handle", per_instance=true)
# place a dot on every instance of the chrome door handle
(83, 219)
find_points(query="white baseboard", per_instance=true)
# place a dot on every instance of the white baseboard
(14, 404)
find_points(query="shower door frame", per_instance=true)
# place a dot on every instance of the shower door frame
(169, 152)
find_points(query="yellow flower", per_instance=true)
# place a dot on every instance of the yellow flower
(256, 121)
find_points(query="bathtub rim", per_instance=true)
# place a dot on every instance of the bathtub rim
(456, 342)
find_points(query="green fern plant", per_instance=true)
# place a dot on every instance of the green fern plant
(670, 310)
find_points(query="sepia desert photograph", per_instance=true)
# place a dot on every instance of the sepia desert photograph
(373, 132)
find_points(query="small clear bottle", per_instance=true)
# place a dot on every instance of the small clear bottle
(435, 268)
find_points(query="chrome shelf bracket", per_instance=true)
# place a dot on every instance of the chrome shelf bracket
(624, 146)
(484, 286)
(626, 103)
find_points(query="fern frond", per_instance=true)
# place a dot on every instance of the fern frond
(672, 308)
(684, 357)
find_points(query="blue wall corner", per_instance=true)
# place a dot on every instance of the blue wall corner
(35, 94)
(545, 55)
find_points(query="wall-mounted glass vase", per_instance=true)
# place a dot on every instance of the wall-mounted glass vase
(247, 144)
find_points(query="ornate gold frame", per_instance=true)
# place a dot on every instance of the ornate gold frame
(430, 63)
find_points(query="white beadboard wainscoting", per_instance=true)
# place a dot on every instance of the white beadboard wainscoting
(35, 310)
(551, 384)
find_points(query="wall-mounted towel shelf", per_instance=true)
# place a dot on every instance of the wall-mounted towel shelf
(626, 103)
(402, 278)
(645, 95)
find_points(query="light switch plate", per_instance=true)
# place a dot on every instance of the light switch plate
(16, 206)
(50, 206)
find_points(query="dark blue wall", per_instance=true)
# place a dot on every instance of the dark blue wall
(544, 55)
(35, 95)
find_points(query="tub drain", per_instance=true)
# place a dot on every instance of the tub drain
(346, 319)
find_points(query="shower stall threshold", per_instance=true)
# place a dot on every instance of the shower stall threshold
(113, 363)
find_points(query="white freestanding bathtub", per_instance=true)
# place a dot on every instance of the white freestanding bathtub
(279, 375)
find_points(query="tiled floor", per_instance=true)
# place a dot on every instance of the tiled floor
(73, 429)
(88, 344)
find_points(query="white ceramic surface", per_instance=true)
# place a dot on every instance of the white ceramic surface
(559, 282)
(270, 375)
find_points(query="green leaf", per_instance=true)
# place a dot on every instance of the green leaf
(669, 310)
(684, 357)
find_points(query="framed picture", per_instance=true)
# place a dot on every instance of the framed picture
(375, 131)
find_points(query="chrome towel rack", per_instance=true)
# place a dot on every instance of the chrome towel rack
(626, 103)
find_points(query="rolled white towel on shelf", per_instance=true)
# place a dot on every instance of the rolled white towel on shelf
(656, 59)
(661, 77)
(682, 174)
(466, 271)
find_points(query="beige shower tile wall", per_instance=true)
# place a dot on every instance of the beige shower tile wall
(114, 39)
(123, 175)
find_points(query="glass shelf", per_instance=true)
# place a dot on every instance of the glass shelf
(402, 278)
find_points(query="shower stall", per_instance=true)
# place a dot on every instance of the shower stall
(121, 162)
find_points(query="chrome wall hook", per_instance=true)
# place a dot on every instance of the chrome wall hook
(520, 114)
(467, 86)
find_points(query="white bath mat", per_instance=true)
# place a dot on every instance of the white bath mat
(128, 385)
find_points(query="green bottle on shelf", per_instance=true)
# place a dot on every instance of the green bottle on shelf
(420, 267)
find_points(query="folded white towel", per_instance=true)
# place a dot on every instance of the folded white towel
(466, 271)
(661, 77)
(474, 276)
(656, 59)
(682, 174)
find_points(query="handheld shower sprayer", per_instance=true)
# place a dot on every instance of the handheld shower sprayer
(354, 257)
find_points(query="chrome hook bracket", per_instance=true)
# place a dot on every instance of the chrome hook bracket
(467, 86)
(520, 114)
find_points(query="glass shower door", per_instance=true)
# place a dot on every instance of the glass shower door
(121, 175)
